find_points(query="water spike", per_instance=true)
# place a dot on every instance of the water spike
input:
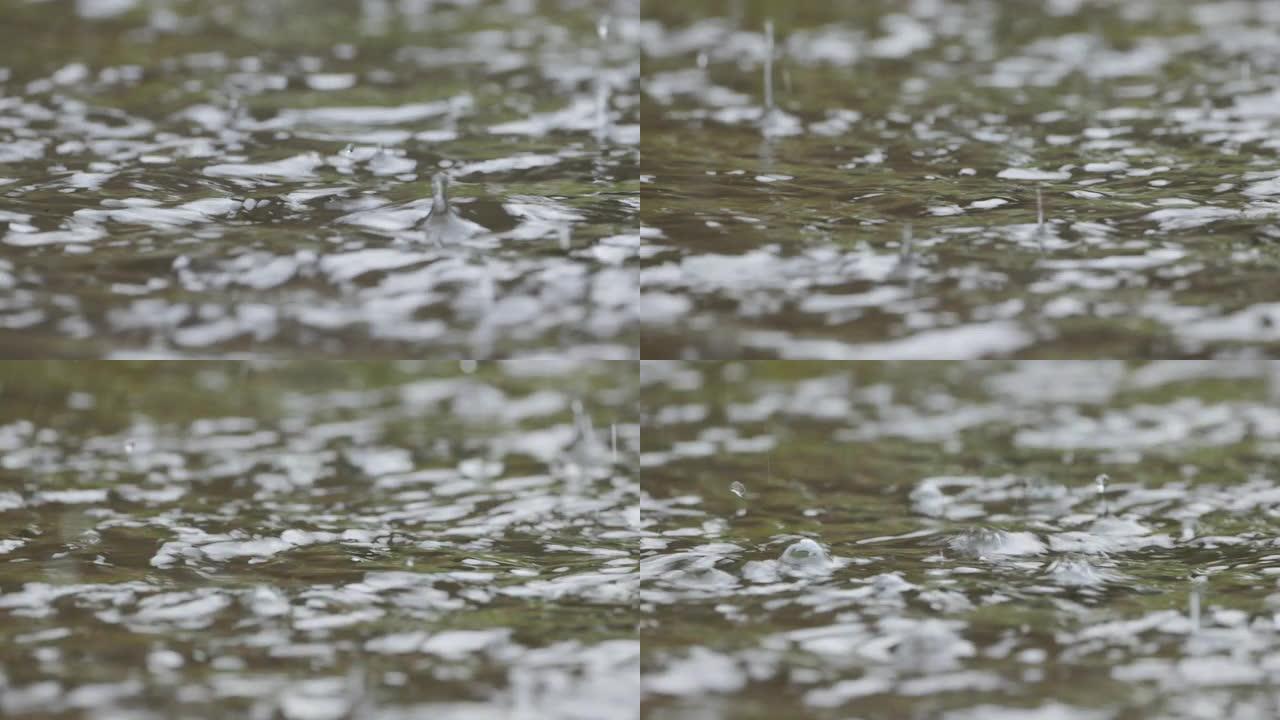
(439, 193)
(1101, 482)
(1039, 206)
(1193, 609)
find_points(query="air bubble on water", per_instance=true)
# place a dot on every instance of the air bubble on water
(738, 489)
(806, 556)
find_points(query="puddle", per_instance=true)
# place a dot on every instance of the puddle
(1079, 178)
(208, 178)
(958, 540)
(318, 540)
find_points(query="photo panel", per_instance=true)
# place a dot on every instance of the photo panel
(872, 179)
(959, 540)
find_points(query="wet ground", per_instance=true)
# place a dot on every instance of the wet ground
(182, 178)
(323, 540)
(1146, 128)
(940, 540)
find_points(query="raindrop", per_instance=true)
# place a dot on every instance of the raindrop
(129, 446)
(738, 489)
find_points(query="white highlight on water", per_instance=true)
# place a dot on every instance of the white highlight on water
(738, 489)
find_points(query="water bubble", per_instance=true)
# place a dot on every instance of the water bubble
(738, 489)
(806, 556)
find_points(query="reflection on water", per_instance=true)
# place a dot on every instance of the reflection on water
(187, 178)
(1084, 177)
(315, 541)
(959, 540)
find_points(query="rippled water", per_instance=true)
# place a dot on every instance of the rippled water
(1148, 129)
(934, 540)
(310, 541)
(192, 178)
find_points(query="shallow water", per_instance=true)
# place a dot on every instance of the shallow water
(323, 540)
(1148, 128)
(968, 565)
(186, 178)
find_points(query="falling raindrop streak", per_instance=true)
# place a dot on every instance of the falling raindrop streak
(768, 70)
(602, 83)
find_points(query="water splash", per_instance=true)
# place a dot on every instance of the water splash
(738, 489)
(444, 225)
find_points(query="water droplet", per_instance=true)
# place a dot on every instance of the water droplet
(1101, 481)
(738, 489)
(129, 445)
